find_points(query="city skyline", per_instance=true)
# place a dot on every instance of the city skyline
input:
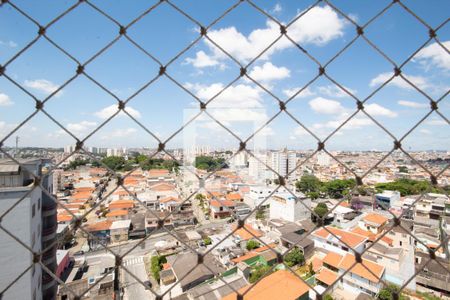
(204, 70)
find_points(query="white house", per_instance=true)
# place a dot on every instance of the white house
(288, 207)
(325, 240)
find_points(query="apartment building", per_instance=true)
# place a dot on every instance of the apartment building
(283, 162)
(387, 199)
(31, 219)
(258, 195)
(432, 207)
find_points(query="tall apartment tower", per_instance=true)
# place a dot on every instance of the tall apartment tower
(283, 162)
(31, 219)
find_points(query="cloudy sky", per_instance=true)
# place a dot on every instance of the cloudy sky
(204, 70)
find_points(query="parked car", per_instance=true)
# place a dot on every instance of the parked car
(79, 253)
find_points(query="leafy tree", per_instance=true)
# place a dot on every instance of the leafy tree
(294, 257)
(207, 241)
(387, 293)
(200, 197)
(258, 272)
(357, 204)
(209, 163)
(308, 184)
(338, 188)
(260, 214)
(252, 244)
(311, 269)
(403, 169)
(76, 163)
(129, 165)
(321, 209)
(156, 263)
(327, 297)
(313, 195)
(364, 190)
(140, 159)
(115, 163)
(408, 187)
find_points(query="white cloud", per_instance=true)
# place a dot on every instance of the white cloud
(300, 131)
(436, 122)
(235, 96)
(81, 127)
(6, 128)
(240, 102)
(326, 106)
(378, 110)
(42, 85)
(354, 123)
(419, 81)
(305, 93)
(266, 131)
(276, 9)
(108, 111)
(268, 72)
(425, 131)
(318, 26)
(121, 133)
(5, 100)
(10, 44)
(412, 104)
(434, 55)
(335, 91)
(203, 60)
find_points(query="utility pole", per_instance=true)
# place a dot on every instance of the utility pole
(17, 146)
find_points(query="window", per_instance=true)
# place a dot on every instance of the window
(39, 204)
(33, 210)
(400, 243)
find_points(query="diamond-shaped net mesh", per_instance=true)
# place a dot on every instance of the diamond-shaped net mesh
(121, 278)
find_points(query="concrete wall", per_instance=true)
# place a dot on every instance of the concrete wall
(15, 258)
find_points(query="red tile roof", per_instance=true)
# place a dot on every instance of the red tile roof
(280, 285)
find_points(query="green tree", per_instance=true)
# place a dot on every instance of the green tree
(321, 209)
(294, 257)
(115, 163)
(260, 214)
(408, 187)
(207, 241)
(387, 293)
(339, 188)
(200, 197)
(258, 272)
(313, 195)
(308, 184)
(327, 297)
(252, 244)
(311, 269)
(209, 163)
(403, 169)
(156, 263)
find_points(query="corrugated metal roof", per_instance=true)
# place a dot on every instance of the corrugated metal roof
(9, 168)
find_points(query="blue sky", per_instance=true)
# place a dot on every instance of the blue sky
(204, 70)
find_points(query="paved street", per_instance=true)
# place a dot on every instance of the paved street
(133, 289)
(149, 244)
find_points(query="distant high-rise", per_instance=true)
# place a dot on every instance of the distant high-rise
(283, 162)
